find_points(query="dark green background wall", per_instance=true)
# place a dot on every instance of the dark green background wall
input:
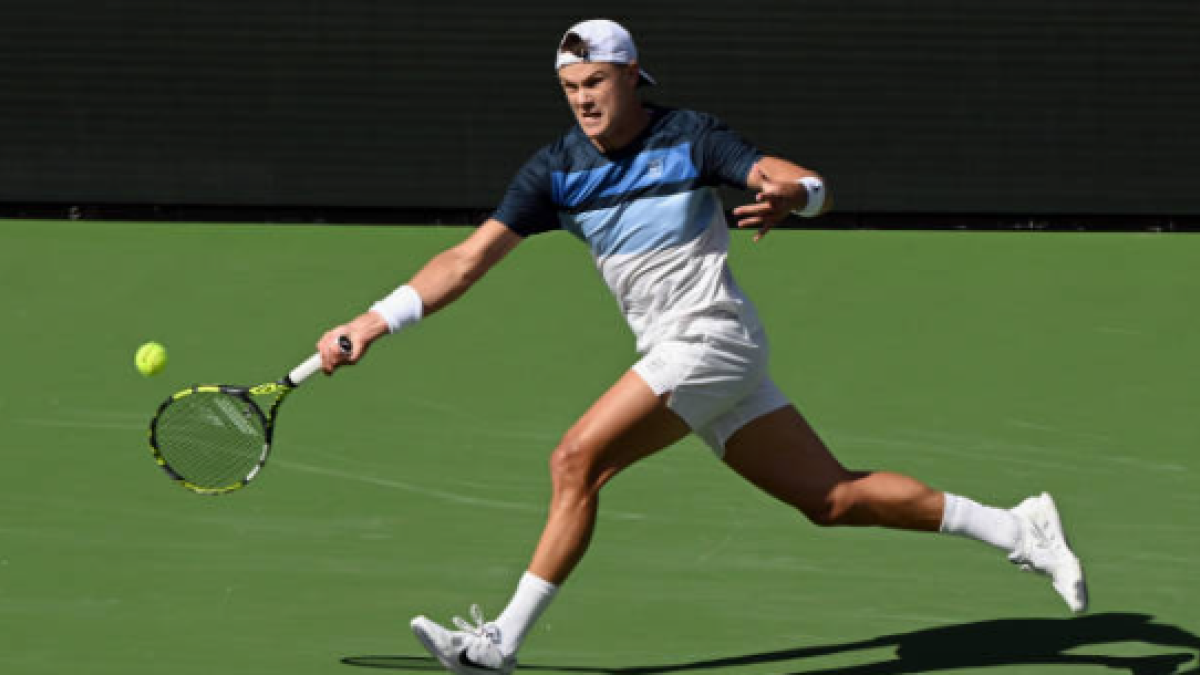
(1050, 106)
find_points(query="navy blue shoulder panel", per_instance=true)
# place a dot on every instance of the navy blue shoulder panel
(723, 155)
(527, 207)
(679, 151)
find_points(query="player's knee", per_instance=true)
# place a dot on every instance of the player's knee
(572, 464)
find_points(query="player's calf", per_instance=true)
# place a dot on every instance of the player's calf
(875, 499)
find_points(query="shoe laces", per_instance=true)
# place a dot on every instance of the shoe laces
(480, 628)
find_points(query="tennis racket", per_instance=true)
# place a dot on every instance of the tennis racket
(215, 438)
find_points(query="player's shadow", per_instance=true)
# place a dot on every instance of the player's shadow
(1005, 642)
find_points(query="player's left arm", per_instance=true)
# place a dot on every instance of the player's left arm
(781, 187)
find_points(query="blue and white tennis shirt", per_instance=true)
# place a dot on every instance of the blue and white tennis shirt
(650, 213)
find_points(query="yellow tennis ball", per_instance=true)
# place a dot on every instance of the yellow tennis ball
(150, 359)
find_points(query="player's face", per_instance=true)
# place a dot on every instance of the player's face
(602, 96)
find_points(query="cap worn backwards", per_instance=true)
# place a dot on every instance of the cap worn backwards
(598, 41)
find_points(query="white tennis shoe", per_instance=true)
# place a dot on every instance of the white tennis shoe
(1043, 548)
(471, 650)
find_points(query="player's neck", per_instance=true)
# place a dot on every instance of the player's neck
(623, 134)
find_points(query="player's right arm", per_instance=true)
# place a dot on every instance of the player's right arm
(440, 282)
(527, 208)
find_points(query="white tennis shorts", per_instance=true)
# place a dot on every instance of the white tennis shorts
(717, 377)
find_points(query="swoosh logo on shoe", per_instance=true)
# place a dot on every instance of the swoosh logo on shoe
(468, 662)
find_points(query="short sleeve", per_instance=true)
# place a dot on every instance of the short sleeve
(527, 207)
(724, 155)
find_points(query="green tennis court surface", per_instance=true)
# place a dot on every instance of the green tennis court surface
(993, 365)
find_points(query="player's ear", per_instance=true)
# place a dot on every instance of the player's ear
(633, 74)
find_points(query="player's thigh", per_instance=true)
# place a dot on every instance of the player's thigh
(782, 455)
(628, 422)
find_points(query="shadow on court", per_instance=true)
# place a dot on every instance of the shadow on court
(1004, 642)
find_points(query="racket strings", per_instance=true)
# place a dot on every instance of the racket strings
(211, 439)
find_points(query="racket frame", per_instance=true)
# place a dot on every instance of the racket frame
(280, 389)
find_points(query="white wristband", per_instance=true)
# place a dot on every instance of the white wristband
(816, 197)
(401, 309)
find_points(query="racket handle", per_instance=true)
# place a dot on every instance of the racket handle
(303, 371)
(313, 363)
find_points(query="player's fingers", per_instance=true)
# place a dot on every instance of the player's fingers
(753, 221)
(327, 359)
(332, 355)
(756, 208)
(358, 347)
(762, 231)
(327, 364)
(770, 209)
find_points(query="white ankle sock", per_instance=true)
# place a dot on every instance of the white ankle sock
(532, 598)
(990, 525)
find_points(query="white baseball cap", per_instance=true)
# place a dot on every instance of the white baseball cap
(598, 41)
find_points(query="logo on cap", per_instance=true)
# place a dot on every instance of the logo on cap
(574, 45)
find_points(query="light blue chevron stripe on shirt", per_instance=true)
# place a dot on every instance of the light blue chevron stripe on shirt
(647, 168)
(646, 224)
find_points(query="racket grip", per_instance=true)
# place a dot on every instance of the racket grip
(304, 371)
(313, 363)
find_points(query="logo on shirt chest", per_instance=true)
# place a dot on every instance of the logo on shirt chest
(654, 169)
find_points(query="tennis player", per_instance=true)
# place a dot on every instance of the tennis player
(637, 184)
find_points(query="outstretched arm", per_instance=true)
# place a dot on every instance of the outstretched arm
(779, 192)
(440, 282)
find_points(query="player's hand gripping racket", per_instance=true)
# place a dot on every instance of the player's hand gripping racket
(214, 439)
